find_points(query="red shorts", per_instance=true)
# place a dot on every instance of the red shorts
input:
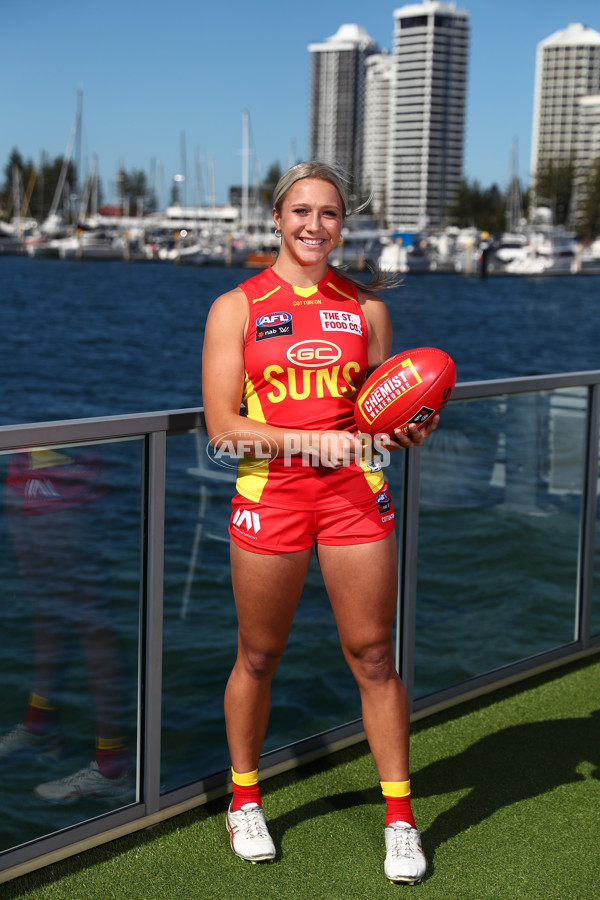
(267, 529)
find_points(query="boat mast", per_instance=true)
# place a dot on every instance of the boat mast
(66, 160)
(245, 170)
(514, 206)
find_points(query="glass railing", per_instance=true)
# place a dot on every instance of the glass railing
(118, 623)
(70, 561)
(501, 502)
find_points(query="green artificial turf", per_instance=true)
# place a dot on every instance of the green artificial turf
(506, 793)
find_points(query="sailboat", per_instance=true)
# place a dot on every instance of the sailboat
(536, 246)
(42, 241)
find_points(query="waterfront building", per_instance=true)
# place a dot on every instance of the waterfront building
(337, 97)
(567, 70)
(378, 92)
(428, 104)
(587, 154)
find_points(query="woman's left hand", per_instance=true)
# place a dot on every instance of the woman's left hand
(414, 438)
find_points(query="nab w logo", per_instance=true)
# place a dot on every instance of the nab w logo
(247, 519)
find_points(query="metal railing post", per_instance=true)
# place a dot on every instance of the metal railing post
(407, 564)
(150, 707)
(585, 574)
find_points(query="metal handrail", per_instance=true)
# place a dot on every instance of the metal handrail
(154, 428)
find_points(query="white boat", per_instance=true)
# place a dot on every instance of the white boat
(92, 245)
(527, 262)
(595, 249)
(199, 254)
(541, 247)
(511, 246)
(40, 245)
(394, 257)
(546, 253)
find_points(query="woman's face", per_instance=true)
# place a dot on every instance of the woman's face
(310, 220)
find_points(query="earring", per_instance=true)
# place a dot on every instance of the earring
(277, 233)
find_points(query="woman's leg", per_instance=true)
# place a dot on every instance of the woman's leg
(361, 580)
(266, 589)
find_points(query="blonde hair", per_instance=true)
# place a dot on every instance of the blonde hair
(324, 171)
(336, 176)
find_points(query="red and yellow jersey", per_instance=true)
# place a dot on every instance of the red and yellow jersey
(47, 480)
(305, 358)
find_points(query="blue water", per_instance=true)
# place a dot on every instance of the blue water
(107, 338)
(81, 339)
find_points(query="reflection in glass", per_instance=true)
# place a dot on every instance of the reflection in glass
(596, 577)
(67, 719)
(499, 533)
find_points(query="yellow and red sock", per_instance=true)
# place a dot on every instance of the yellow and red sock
(112, 756)
(41, 714)
(245, 788)
(397, 802)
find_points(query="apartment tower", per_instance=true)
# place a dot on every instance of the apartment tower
(376, 141)
(337, 98)
(567, 71)
(427, 109)
(587, 156)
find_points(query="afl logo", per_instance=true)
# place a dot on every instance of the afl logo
(276, 318)
(313, 354)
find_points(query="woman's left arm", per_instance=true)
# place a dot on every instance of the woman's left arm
(379, 327)
(380, 347)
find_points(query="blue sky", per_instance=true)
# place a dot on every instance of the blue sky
(157, 77)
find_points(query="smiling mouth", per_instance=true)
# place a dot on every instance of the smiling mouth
(312, 242)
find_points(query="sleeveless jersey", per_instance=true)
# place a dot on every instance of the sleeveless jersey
(305, 358)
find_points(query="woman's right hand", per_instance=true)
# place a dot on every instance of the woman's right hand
(337, 448)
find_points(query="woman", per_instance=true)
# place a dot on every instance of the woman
(294, 345)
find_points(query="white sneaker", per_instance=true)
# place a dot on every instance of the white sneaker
(88, 783)
(250, 838)
(404, 858)
(25, 744)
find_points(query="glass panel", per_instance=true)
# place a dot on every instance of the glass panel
(199, 617)
(313, 689)
(595, 629)
(70, 570)
(499, 532)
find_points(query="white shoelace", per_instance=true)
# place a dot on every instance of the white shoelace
(255, 823)
(404, 842)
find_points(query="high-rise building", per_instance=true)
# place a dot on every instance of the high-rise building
(337, 97)
(587, 155)
(567, 70)
(378, 95)
(428, 106)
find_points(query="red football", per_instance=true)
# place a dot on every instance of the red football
(409, 387)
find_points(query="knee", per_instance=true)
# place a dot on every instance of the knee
(260, 664)
(374, 663)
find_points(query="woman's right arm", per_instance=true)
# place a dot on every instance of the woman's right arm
(223, 370)
(223, 363)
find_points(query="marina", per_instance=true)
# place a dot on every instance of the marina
(215, 237)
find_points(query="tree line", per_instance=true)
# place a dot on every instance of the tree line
(489, 209)
(29, 190)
